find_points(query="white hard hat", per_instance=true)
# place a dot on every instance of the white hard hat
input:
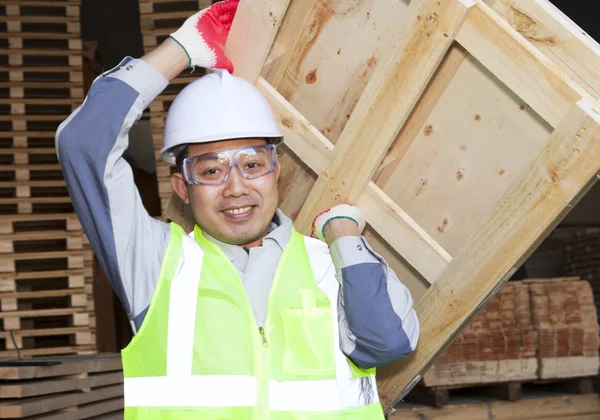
(218, 106)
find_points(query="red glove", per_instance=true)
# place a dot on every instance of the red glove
(204, 34)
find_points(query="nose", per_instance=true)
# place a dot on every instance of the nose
(235, 186)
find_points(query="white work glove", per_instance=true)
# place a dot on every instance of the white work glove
(341, 211)
(203, 35)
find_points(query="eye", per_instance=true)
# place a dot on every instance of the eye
(210, 172)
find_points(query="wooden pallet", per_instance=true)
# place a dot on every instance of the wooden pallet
(535, 329)
(509, 391)
(561, 407)
(463, 140)
(45, 281)
(158, 19)
(78, 387)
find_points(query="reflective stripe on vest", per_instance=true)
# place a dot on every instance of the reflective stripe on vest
(212, 362)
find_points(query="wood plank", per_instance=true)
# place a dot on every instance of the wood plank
(254, 27)
(40, 405)
(562, 172)
(42, 294)
(557, 37)
(419, 249)
(53, 3)
(389, 97)
(34, 313)
(48, 351)
(556, 408)
(112, 406)
(519, 65)
(43, 332)
(41, 35)
(40, 19)
(24, 389)
(67, 366)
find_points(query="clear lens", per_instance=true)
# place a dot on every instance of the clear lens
(213, 168)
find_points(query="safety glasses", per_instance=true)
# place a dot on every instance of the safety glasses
(214, 168)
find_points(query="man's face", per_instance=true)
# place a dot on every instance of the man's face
(239, 210)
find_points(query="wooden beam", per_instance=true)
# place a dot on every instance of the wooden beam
(254, 28)
(557, 37)
(393, 224)
(518, 64)
(388, 99)
(561, 174)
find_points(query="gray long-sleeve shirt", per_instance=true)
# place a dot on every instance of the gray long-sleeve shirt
(377, 321)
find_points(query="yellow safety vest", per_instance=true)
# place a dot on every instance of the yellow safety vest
(200, 355)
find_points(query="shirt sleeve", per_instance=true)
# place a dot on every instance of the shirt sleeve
(377, 321)
(90, 144)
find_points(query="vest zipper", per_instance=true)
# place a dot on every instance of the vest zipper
(262, 370)
(261, 330)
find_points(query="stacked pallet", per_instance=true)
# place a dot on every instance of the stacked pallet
(43, 301)
(65, 388)
(158, 19)
(498, 345)
(565, 318)
(531, 330)
(582, 259)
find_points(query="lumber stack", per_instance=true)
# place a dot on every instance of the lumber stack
(498, 345)
(43, 277)
(583, 259)
(561, 407)
(65, 388)
(565, 318)
(158, 19)
(532, 329)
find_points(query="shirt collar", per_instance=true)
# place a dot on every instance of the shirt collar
(280, 233)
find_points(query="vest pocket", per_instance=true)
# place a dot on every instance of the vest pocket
(308, 342)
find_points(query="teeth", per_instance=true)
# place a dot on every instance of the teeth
(238, 211)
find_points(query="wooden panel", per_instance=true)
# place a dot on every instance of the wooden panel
(389, 97)
(562, 171)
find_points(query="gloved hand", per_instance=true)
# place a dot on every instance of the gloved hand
(203, 35)
(341, 211)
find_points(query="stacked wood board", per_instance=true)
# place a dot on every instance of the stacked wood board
(567, 407)
(582, 258)
(65, 388)
(43, 260)
(531, 330)
(158, 19)
(464, 130)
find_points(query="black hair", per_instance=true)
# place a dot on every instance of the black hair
(180, 157)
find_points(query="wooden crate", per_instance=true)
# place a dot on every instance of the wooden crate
(465, 131)
(76, 387)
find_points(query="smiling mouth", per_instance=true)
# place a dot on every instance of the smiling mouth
(238, 211)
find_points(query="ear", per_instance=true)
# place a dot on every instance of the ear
(180, 187)
(278, 170)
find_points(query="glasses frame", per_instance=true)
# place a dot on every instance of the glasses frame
(188, 164)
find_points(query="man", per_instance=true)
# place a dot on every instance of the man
(243, 318)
